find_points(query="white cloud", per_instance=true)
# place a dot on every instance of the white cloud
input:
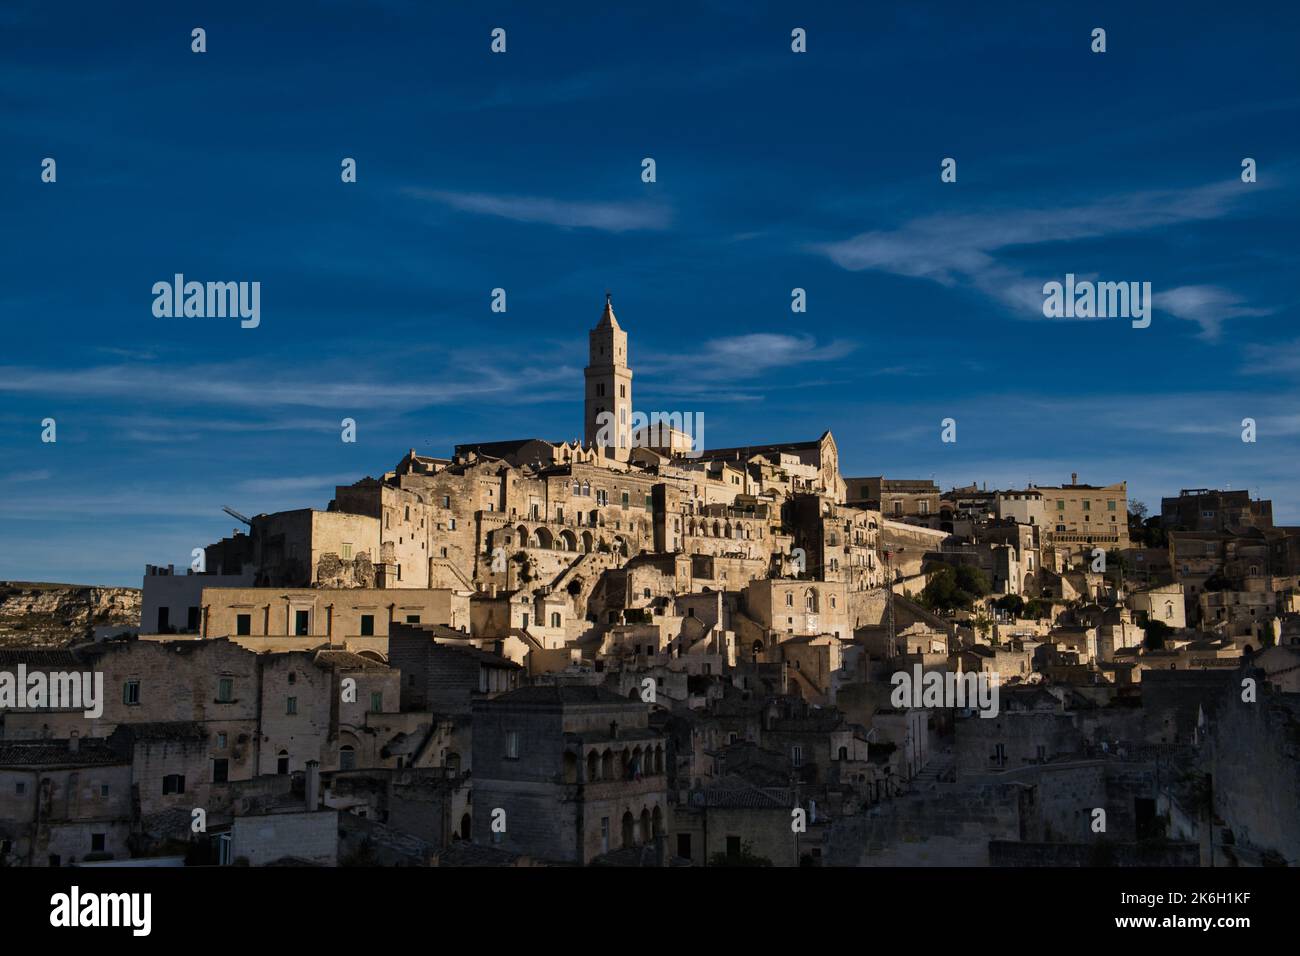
(1206, 305)
(570, 214)
(965, 249)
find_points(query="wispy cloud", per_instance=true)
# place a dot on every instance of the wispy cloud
(611, 216)
(738, 368)
(1278, 357)
(257, 385)
(1207, 305)
(972, 250)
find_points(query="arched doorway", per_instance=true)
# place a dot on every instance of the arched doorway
(629, 829)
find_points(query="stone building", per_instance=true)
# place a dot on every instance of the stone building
(567, 773)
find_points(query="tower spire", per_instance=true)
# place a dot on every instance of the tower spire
(607, 318)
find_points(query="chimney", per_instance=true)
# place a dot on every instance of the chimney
(313, 785)
(1074, 477)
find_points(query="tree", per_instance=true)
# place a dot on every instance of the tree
(1012, 604)
(942, 592)
(972, 580)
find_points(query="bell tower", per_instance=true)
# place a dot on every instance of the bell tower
(608, 388)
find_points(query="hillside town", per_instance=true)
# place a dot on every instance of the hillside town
(636, 650)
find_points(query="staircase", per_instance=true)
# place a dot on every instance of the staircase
(938, 770)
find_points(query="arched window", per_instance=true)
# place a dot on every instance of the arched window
(282, 762)
(810, 601)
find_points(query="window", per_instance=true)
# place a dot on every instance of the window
(555, 619)
(1110, 505)
(301, 623)
(173, 783)
(376, 701)
(524, 618)
(220, 770)
(192, 619)
(20, 787)
(367, 625)
(733, 847)
(244, 624)
(512, 745)
(1060, 504)
(626, 500)
(97, 843)
(796, 755)
(291, 705)
(412, 619)
(131, 692)
(221, 741)
(789, 599)
(103, 790)
(347, 758)
(282, 763)
(347, 550)
(446, 501)
(1087, 505)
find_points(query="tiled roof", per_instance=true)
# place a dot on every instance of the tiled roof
(166, 730)
(734, 792)
(55, 753)
(347, 660)
(39, 657)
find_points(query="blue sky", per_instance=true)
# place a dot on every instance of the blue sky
(523, 171)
